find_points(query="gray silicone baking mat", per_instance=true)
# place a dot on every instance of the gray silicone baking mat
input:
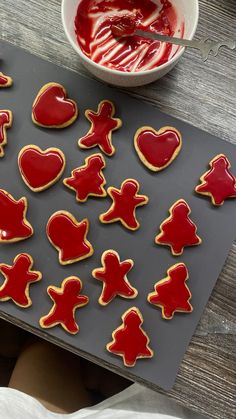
(216, 226)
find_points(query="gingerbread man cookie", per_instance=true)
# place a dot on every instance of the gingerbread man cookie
(18, 278)
(129, 340)
(13, 223)
(88, 180)
(39, 168)
(171, 293)
(102, 126)
(5, 123)
(218, 183)
(69, 237)
(113, 274)
(178, 231)
(66, 300)
(125, 201)
(5, 81)
(157, 149)
(52, 108)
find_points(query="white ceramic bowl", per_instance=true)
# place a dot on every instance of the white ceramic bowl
(188, 9)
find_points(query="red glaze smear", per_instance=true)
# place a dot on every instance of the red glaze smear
(3, 80)
(124, 204)
(178, 231)
(5, 120)
(93, 24)
(158, 149)
(172, 293)
(66, 300)
(17, 279)
(52, 108)
(13, 225)
(88, 180)
(113, 276)
(40, 168)
(102, 125)
(219, 181)
(68, 237)
(129, 340)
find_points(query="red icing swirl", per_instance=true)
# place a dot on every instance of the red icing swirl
(172, 293)
(66, 300)
(40, 169)
(13, 224)
(124, 204)
(114, 277)
(5, 81)
(218, 182)
(68, 236)
(178, 231)
(18, 277)
(129, 340)
(93, 24)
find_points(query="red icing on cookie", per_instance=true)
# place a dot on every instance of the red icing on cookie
(178, 231)
(129, 340)
(68, 236)
(40, 169)
(102, 125)
(88, 180)
(66, 300)
(5, 122)
(157, 149)
(218, 182)
(5, 81)
(13, 224)
(18, 277)
(113, 274)
(172, 293)
(52, 109)
(124, 204)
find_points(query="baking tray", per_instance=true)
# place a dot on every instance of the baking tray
(216, 226)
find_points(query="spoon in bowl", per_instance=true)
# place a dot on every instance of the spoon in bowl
(125, 26)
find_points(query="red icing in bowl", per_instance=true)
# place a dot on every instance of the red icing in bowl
(93, 27)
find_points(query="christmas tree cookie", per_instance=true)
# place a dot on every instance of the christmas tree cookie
(88, 180)
(13, 223)
(171, 293)
(125, 202)
(18, 278)
(113, 274)
(69, 237)
(66, 300)
(102, 126)
(178, 231)
(5, 123)
(218, 183)
(129, 340)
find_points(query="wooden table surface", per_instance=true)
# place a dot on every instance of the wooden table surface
(203, 94)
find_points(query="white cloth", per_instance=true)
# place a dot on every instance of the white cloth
(135, 402)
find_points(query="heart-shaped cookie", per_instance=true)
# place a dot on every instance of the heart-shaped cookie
(157, 149)
(40, 168)
(52, 108)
